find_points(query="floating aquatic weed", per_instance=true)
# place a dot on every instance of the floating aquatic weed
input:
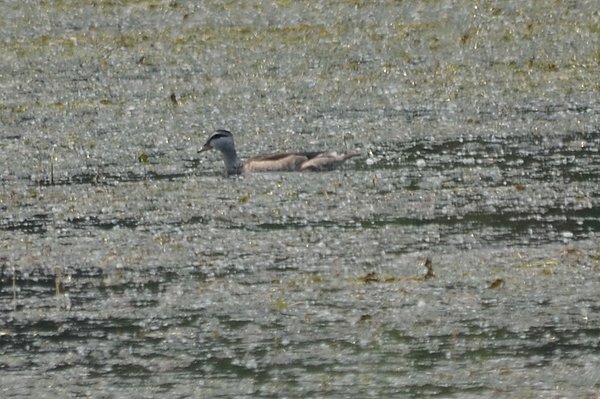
(280, 304)
(143, 158)
(497, 283)
(429, 266)
(244, 198)
(519, 186)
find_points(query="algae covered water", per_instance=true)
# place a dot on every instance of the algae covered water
(457, 257)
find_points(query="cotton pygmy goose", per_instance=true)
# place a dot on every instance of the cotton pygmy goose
(222, 140)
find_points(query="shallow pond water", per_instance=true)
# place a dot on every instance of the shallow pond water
(130, 266)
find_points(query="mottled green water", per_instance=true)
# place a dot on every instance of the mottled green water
(130, 266)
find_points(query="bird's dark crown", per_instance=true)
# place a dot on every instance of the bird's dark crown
(221, 133)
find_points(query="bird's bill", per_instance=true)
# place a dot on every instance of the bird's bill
(205, 147)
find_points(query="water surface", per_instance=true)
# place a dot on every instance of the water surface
(130, 266)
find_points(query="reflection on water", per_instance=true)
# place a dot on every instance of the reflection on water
(316, 331)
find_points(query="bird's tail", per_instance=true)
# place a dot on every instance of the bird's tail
(350, 155)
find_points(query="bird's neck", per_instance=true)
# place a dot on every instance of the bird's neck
(233, 164)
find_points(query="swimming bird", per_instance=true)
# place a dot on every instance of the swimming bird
(222, 140)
